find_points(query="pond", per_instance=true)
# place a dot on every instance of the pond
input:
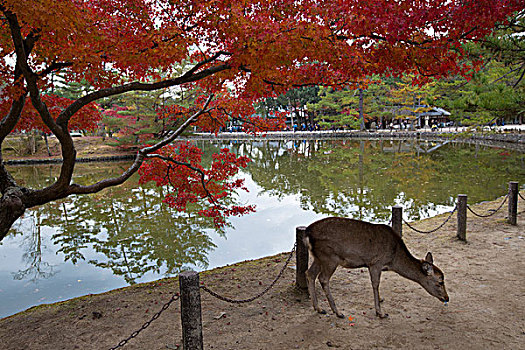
(124, 235)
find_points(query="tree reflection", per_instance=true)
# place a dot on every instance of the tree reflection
(37, 269)
(129, 231)
(364, 179)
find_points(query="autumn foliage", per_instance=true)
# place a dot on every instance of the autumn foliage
(179, 169)
(86, 119)
(235, 52)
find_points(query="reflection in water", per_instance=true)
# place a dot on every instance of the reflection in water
(363, 179)
(33, 246)
(140, 234)
(128, 231)
(131, 228)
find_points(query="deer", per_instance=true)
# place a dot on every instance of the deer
(350, 243)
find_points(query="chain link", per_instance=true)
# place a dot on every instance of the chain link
(146, 324)
(434, 230)
(494, 211)
(241, 301)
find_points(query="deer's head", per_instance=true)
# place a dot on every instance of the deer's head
(433, 279)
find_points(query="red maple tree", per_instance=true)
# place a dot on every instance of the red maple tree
(239, 52)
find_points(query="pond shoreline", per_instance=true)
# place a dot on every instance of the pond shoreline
(79, 160)
(513, 141)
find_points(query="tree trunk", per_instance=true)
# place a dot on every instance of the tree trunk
(47, 145)
(31, 143)
(361, 114)
(11, 208)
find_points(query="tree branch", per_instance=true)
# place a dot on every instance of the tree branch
(62, 134)
(67, 113)
(22, 50)
(189, 166)
(202, 63)
(62, 188)
(55, 66)
(521, 76)
(7, 124)
(172, 136)
(139, 159)
(19, 44)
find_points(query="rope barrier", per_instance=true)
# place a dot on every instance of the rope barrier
(519, 194)
(434, 230)
(148, 323)
(241, 301)
(494, 211)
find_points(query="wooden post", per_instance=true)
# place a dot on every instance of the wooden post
(462, 217)
(301, 258)
(190, 304)
(397, 219)
(513, 203)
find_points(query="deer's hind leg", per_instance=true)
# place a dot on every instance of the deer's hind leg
(327, 270)
(311, 275)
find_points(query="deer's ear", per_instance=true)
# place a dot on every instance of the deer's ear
(429, 258)
(427, 268)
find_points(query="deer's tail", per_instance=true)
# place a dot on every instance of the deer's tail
(307, 240)
(307, 243)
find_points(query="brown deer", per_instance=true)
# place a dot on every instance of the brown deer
(352, 243)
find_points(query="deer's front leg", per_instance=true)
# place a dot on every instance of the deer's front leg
(375, 277)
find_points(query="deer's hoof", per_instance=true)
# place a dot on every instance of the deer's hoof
(381, 315)
(321, 311)
(340, 315)
(381, 300)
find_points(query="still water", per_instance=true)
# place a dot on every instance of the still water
(124, 235)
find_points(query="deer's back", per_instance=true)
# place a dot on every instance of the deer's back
(353, 243)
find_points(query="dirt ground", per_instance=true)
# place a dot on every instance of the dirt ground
(15, 147)
(485, 278)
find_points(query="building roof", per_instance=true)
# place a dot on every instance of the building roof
(435, 111)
